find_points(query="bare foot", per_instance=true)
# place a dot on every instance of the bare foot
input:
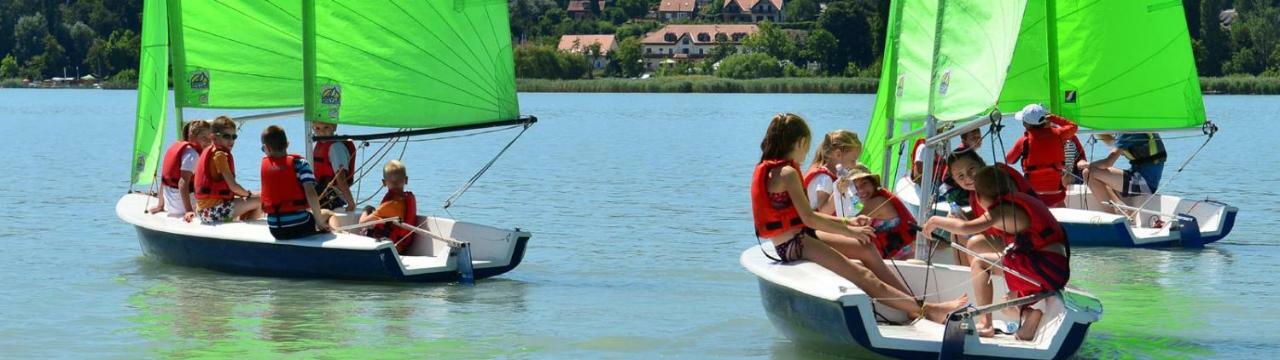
(986, 331)
(938, 312)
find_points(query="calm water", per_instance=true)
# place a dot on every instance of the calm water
(639, 210)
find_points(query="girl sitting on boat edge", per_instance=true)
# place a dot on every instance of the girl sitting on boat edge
(782, 215)
(885, 213)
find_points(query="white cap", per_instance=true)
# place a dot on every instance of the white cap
(1031, 114)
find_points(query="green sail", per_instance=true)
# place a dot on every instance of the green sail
(1028, 78)
(148, 132)
(875, 144)
(421, 64)
(237, 53)
(975, 45)
(1127, 65)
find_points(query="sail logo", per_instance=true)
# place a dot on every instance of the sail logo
(331, 94)
(1070, 96)
(199, 80)
(141, 163)
(944, 83)
(901, 79)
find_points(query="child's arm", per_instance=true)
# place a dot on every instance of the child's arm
(230, 177)
(958, 226)
(184, 188)
(344, 189)
(795, 189)
(1066, 128)
(1015, 153)
(313, 201)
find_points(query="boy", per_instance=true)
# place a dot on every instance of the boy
(334, 166)
(888, 217)
(178, 171)
(1037, 247)
(1146, 156)
(396, 203)
(1041, 152)
(288, 190)
(219, 197)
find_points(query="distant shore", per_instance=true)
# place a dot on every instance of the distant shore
(1227, 85)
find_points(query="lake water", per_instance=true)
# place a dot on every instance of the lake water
(639, 210)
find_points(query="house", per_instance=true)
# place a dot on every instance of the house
(752, 10)
(578, 9)
(581, 43)
(680, 43)
(677, 10)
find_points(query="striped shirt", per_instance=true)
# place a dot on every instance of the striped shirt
(306, 177)
(1071, 153)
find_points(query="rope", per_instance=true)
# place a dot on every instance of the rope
(1178, 173)
(467, 185)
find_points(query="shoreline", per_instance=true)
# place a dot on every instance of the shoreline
(1226, 85)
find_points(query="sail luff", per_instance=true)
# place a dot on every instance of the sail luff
(152, 90)
(178, 60)
(1051, 30)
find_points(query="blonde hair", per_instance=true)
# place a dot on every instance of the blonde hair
(394, 168)
(839, 139)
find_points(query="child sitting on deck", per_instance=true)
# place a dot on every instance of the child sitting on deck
(1037, 248)
(219, 197)
(335, 162)
(396, 203)
(288, 190)
(177, 175)
(839, 149)
(885, 213)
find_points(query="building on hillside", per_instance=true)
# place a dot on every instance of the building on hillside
(677, 10)
(581, 43)
(578, 10)
(752, 10)
(681, 43)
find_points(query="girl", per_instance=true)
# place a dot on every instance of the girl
(838, 148)
(885, 213)
(963, 166)
(1037, 246)
(782, 215)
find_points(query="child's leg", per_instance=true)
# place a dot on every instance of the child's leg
(1030, 323)
(866, 252)
(981, 272)
(1103, 181)
(817, 251)
(327, 217)
(248, 209)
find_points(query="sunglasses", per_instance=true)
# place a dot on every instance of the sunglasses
(228, 136)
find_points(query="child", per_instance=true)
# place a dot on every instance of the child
(1037, 247)
(1041, 152)
(334, 166)
(1146, 156)
(885, 213)
(178, 172)
(838, 148)
(964, 165)
(216, 186)
(396, 203)
(288, 190)
(1075, 161)
(782, 215)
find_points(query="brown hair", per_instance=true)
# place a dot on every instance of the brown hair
(785, 131)
(839, 139)
(966, 154)
(222, 124)
(193, 127)
(990, 182)
(274, 139)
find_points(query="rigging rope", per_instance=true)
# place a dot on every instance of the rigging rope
(467, 185)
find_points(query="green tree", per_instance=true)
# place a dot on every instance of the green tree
(749, 66)
(772, 40)
(8, 67)
(28, 36)
(850, 22)
(55, 56)
(634, 8)
(80, 38)
(629, 57)
(722, 50)
(1212, 38)
(821, 47)
(801, 10)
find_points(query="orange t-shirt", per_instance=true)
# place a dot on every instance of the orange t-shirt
(391, 208)
(219, 163)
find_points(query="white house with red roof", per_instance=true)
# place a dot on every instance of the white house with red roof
(752, 10)
(693, 42)
(581, 43)
(677, 10)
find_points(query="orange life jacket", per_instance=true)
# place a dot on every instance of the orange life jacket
(171, 170)
(1043, 158)
(208, 187)
(281, 191)
(1027, 255)
(323, 169)
(892, 242)
(769, 221)
(939, 164)
(1019, 181)
(396, 233)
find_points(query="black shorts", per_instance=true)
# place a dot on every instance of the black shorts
(300, 230)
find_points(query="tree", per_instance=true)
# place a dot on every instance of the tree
(821, 47)
(55, 56)
(634, 8)
(8, 67)
(28, 36)
(80, 38)
(722, 50)
(801, 10)
(749, 66)
(1212, 38)
(770, 39)
(629, 57)
(850, 22)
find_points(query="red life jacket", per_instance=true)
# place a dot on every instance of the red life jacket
(1019, 181)
(1042, 160)
(396, 233)
(813, 174)
(891, 242)
(281, 191)
(940, 173)
(171, 171)
(769, 221)
(323, 169)
(207, 187)
(1027, 255)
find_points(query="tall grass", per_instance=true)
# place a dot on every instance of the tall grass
(1241, 84)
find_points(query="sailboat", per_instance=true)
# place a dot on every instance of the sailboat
(419, 68)
(946, 61)
(1112, 67)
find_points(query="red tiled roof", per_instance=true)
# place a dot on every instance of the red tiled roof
(584, 41)
(677, 5)
(692, 31)
(581, 5)
(777, 4)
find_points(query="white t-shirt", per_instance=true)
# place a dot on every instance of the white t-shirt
(821, 182)
(173, 197)
(339, 157)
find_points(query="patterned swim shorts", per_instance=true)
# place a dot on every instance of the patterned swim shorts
(217, 213)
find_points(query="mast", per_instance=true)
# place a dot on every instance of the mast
(309, 71)
(1051, 27)
(177, 67)
(931, 130)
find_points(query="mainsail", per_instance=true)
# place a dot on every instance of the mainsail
(421, 64)
(243, 54)
(148, 131)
